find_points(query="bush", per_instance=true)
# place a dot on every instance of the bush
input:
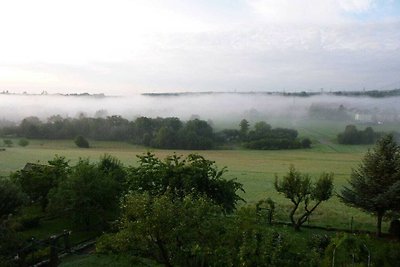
(29, 221)
(23, 142)
(8, 142)
(306, 143)
(81, 141)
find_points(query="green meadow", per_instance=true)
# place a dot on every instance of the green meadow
(255, 169)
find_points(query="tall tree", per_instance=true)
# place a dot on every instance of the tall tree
(244, 128)
(375, 185)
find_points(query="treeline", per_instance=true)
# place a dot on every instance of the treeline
(321, 112)
(353, 136)
(263, 136)
(167, 133)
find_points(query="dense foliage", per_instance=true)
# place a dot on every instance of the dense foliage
(375, 185)
(89, 194)
(193, 231)
(168, 133)
(193, 175)
(353, 136)
(81, 142)
(37, 180)
(263, 136)
(11, 198)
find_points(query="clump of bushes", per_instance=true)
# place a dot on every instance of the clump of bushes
(353, 136)
(8, 142)
(81, 142)
(23, 142)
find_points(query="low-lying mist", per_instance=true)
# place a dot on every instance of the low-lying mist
(217, 106)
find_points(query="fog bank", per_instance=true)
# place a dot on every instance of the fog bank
(207, 106)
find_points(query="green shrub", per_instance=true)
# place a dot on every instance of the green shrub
(23, 142)
(29, 221)
(8, 142)
(81, 141)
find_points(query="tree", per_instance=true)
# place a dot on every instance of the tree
(193, 175)
(244, 128)
(299, 189)
(23, 142)
(81, 141)
(88, 195)
(36, 180)
(193, 228)
(11, 198)
(375, 185)
(113, 167)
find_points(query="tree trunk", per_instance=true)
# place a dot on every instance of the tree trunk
(291, 215)
(379, 223)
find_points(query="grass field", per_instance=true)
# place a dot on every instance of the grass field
(255, 169)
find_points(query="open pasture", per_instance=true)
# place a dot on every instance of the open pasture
(255, 169)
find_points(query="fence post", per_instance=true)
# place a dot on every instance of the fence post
(21, 259)
(67, 244)
(53, 252)
(351, 224)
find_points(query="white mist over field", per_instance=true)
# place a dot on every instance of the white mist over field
(216, 106)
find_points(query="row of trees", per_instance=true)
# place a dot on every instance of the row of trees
(263, 136)
(353, 136)
(169, 133)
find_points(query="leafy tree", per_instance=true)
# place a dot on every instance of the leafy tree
(196, 134)
(299, 189)
(113, 167)
(244, 128)
(23, 142)
(11, 198)
(352, 136)
(192, 225)
(37, 180)
(375, 185)
(193, 231)
(88, 195)
(193, 175)
(81, 141)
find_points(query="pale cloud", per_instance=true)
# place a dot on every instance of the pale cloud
(308, 11)
(126, 46)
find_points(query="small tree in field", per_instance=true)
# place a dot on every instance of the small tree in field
(375, 184)
(8, 142)
(81, 141)
(23, 142)
(299, 189)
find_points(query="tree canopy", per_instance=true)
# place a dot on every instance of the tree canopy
(299, 189)
(192, 175)
(375, 185)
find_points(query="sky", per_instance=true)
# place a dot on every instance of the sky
(124, 47)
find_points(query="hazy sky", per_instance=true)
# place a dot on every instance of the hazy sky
(130, 46)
